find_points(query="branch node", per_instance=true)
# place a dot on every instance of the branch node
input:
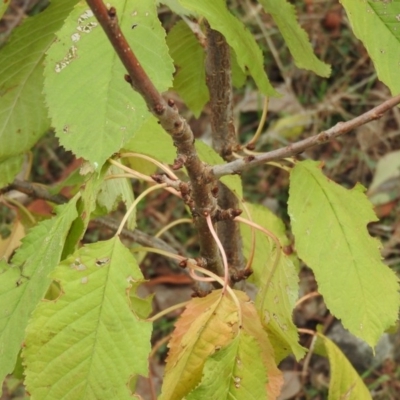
(229, 214)
(179, 162)
(238, 276)
(157, 178)
(128, 79)
(159, 109)
(249, 159)
(112, 12)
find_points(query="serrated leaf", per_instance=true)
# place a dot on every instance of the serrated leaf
(23, 116)
(235, 372)
(330, 227)
(115, 190)
(248, 53)
(189, 56)
(382, 42)
(345, 383)
(88, 343)
(296, 39)
(94, 114)
(246, 367)
(25, 283)
(206, 325)
(278, 289)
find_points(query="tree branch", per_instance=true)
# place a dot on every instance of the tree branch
(40, 192)
(166, 112)
(224, 140)
(340, 128)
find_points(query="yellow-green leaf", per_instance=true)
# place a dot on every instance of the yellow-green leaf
(248, 53)
(83, 73)
(296, 39)
(277, 285)
(190, 78)
(377, 25)
(345, 383)
(330, 227)
(25, 282)
(88, 343)
(205, 326)
(23, 116)
(235, 372)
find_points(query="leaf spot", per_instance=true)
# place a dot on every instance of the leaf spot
(75, 37)
(87, 14)
(84, 280)
(100, 262)
(237, 380)
(398, 17)
(72, 54)
(87, 28)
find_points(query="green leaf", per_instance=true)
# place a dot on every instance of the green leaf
(345, 383)
(210, 156)
(152, 140)
(330, 227)
(23, 116)
(248, 53)
(3, 7)
(89, 342)
(238, 76)
(235, 372)
(25, 283)
(175, 7)
(155, 142)
(278, 289)
(96, 113)
(9, 168)
(91, 183)
(115, 190)
(207, 324)
(188, 55)
(382, 42)
(284, 15)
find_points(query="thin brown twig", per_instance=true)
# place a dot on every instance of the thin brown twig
(34, 190)
(167, 114)
(237, 166)
(38, 191)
